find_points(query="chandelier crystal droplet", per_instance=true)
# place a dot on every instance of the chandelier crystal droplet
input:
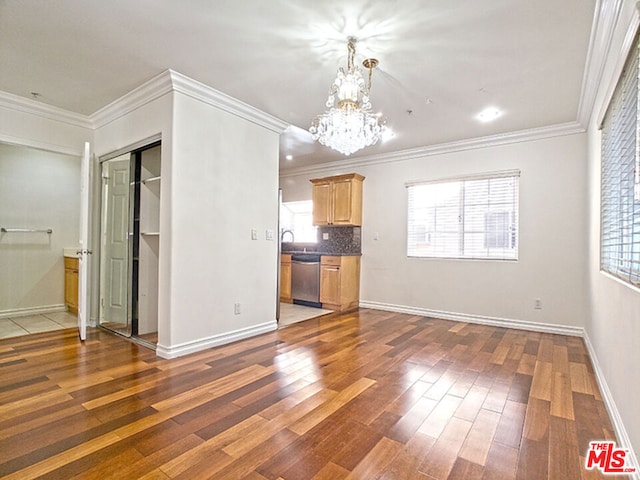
(349, 126)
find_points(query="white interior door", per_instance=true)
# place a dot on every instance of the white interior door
(84, 252)
(114, 264)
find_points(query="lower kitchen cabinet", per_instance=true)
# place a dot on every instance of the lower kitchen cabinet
(71, 283)
(285, 278)
(340, 282)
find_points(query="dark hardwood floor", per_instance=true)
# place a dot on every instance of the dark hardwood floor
(365, 395)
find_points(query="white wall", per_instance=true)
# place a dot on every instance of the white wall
(225, 183)
(614, 324)
(38, 190)
(552, 251)
(149, 120)
(219, 181)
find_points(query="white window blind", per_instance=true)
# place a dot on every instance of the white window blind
(472, 217)
(620, 208)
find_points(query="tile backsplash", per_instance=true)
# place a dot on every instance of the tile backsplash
(341, 240)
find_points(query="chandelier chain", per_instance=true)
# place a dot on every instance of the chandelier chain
(351, 48)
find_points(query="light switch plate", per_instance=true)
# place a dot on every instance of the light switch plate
(254, 234)
(269, 234)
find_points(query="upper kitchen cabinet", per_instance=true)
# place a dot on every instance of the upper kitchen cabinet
(337, 200)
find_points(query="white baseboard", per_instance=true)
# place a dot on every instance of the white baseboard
(465, 317)
(23, 312)
(614, 414)
(621, 432)
(186, 348)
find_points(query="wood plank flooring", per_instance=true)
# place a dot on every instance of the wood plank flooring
(365, 395)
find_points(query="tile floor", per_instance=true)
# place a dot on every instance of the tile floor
(290, 313)
(46, 322)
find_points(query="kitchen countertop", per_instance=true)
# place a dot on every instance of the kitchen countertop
(71, 252)
(327, 254)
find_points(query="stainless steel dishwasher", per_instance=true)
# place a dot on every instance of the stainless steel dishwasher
(305, 279)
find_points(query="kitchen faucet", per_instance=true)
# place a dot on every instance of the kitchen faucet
(282, 235)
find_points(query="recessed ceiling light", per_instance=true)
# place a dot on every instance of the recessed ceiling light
(289, 157)
(489, 114)
(387, 134)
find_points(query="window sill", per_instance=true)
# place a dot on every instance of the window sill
(620, 281)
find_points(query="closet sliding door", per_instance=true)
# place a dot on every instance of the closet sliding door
(130, 243)
(115, 246)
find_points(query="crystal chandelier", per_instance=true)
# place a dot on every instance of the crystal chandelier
(349, 126)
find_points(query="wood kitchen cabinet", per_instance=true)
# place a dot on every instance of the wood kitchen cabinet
(71, 283)
(285, 278)
(337, 200)
(340, 282)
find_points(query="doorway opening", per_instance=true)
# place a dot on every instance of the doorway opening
(129, 248)
(39, 223)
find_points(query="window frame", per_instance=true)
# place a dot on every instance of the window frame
(463, 208)
(291, 221)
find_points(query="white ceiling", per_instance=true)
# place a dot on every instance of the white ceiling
(441, 62)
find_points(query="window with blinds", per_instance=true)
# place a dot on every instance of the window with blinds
(620, 188)
(472, 217)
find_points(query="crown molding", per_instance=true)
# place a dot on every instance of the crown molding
(569, 128)
(213, 97)
(606, 17)
(32, 107)
(166, 82)
(40, 145)
(172, 81)
(147, 92)
(621, 55)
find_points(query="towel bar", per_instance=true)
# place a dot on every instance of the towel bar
(25, 230)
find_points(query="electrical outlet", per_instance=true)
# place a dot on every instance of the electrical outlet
(269, 234)
(537, 304)
(236, 309)
(325, 236)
